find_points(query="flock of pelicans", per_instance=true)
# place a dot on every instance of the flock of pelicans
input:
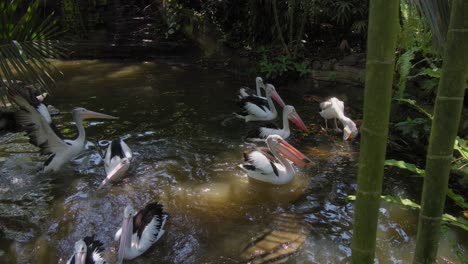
(140, 230)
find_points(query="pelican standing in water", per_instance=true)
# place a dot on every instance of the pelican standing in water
(116, 160)
(245, 92)
(331, 109)
(87, 251)
(140, 231)
(255, 109)
(50, 141)
(272, 164)
(334, 108)
(289, 113)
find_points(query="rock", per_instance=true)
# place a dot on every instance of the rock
(316, 65)
(328, 65)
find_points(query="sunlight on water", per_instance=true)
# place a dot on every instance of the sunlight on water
(187, 147)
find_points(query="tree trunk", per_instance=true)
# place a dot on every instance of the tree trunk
(383, 26)
(447, 111)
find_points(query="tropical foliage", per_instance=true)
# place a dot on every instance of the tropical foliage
(26, 43)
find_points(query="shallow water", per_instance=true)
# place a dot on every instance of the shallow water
(177, 119)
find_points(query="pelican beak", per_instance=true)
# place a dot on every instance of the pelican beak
(42, 96)
(117, 172)
(277, 99)
(293, 154)
(90, 114)
(80, 257)
(125, 238)
(296, 119)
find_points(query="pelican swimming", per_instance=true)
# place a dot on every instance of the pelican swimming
(246, 91)
(116, 160)
(272, 164)
(50, 141)
(331, 109)
(87, 251)
(255, 109)
(289, 113)
(140, 231)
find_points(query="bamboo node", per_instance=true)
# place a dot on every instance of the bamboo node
(430, 218)
(365, 251)
(372, 194)
(448, 98)
(372, 132)
(443, 157)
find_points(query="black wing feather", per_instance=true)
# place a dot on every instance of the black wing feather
(146, 215)
(116, 148)
(92, 245)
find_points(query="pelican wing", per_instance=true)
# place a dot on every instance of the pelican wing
(261, 162)
(41, 133)
(256, 110)
(126, 150)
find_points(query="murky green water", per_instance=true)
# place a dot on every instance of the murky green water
(177, 120)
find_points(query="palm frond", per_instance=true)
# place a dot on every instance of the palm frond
(437, 13)
(26, 46)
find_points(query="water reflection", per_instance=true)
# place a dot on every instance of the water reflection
(176, 119)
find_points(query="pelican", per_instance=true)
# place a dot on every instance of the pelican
(87, 251)
(350, 130)
(334, 108)
(116, 160)
(254, 108)
(50, 141)
(140, 231)
(289, 113)
(246, 91)
(331, 109)
(272, 164)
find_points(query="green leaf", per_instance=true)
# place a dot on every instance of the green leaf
(406, 166)
(446, 218)
(458, 199)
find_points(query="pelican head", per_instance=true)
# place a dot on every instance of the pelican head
(294, 117)
(271, 92)
(81, 113)
(277, 143)
(259, 82)
(350, 130)
(127, 229)
(80, 252)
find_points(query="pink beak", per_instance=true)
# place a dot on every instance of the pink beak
(293, 154)
(275, 96)
(296, 119)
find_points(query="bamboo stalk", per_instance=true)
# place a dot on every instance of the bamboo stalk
(447, 112)
(383, 26)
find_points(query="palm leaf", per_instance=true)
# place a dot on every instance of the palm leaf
(437, 13)
(26, 46)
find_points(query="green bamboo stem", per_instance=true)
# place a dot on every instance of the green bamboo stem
(383, 26)
(447, 111)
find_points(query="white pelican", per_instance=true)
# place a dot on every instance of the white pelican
(334, 108)
(289, 113)
(87, 251)
(255, 109)
(350, 130)
(272, 164)
(140, 231)
(50, 141)
(331, 109)
(246, 91)
(116, 160)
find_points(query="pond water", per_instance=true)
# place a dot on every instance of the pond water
(177, 119)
